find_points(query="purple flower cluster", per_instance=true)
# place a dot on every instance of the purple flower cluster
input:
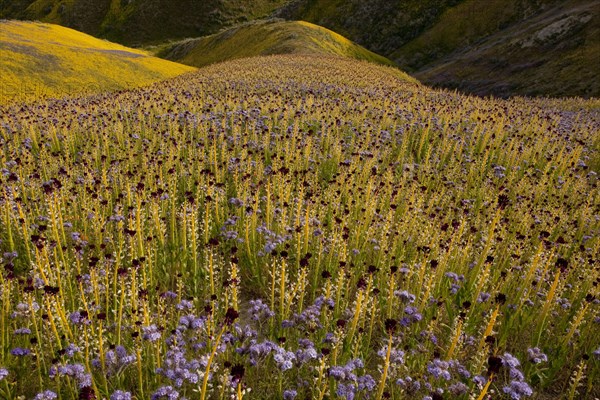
(396, 356)
(20, 352)
(151, 333)
(260, 311)
(306, 352)
(165, 392)
(46, 395)
(178, 369)
(115, 360)
(76, 371)
(536, 356)
(348, 383)
(409, 384)
(309, 318)
(120, 395)
(439, 369)
(79, 318)
(405, 296)
(411, 315)
(517, 387)
(71, 350)
(272, 240)
(284, 358)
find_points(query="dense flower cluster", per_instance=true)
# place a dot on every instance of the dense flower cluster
(285, 228)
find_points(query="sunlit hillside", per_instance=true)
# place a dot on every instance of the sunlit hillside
(44, 60)
(265, 38)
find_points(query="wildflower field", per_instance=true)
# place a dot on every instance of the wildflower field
(299, 227)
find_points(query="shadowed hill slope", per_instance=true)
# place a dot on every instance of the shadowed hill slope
(136, 22)
(500, 47)
(265, 38)
(49, 60)
(555, 51)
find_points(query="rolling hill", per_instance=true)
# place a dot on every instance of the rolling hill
(266, 38)
(486, 47)
(38, 59)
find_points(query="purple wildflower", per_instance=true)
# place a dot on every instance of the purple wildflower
(78, 318)
(76, 371)
(165, 392)
(115, 360)
(185, 305)
(510, 361)
(260, 311)
(71, 349)
(20, 352)
(346, 390)
(516, 389)
(480, 380)
(120, 395)
(179, 369)
(396, 356)
(536, 356)
(483, 297)
(151, 333)
(289, 394)
(46, 395)
(284, 359)
(405, 296)
(190, 322)
(439, 369)
(366, 382)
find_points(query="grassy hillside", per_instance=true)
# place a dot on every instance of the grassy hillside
(299, 227)
(264, 38)
(379, 25)
(473, 45)
(135, 22)
(49, 60)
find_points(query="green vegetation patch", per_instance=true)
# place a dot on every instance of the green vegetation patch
(266, 38)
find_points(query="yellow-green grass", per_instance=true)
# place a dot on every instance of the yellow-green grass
(45, 60)
(267, 38)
